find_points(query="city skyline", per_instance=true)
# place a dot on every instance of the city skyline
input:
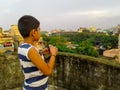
(59, 14)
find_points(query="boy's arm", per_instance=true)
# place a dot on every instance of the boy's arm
(35, 57)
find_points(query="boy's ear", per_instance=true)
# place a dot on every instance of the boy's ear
(32, 33)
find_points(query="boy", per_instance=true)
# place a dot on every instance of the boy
(35, 69)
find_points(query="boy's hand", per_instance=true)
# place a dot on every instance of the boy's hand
(46, 51)
(53, 50)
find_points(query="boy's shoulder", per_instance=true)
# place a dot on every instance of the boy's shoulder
(25, 45)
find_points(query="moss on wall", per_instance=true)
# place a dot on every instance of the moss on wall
(79, 72)
(10, 72)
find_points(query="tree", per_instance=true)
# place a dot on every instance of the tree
(86, 48)
(57, 40)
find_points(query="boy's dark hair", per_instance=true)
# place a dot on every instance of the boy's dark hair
(26, 23)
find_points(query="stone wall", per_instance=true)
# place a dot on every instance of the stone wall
(73, 72)
(11, 76)
(76, 72)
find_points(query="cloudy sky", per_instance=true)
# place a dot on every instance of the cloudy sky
(62, 14)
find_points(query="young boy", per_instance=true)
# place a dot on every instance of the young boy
(35, 69)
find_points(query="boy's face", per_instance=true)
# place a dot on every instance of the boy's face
(37, 36)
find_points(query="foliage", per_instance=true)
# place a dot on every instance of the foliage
(86, 48)
(86, 41)
(64, 48)
(57, 40)
(45, 37)
(108, 41)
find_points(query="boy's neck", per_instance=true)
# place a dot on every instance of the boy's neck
(28, 40)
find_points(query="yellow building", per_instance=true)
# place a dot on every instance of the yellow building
(92, 29)
(14, 32)
(13, 39)
(10, 40)
(1, 32)
(81, 29)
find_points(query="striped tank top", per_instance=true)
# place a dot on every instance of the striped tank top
(34, 79)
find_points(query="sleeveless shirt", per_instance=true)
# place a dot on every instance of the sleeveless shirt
(34, 79)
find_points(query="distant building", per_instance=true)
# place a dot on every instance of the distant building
(9, 40)
(92, 29)
(111, 53)
(99, 30)
(56, 31)
(14, 32)
(6, 44)
(82, 29)
(1, 32)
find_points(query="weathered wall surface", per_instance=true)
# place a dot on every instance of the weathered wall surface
(11, 75)
(71, 71)
(86, 73)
